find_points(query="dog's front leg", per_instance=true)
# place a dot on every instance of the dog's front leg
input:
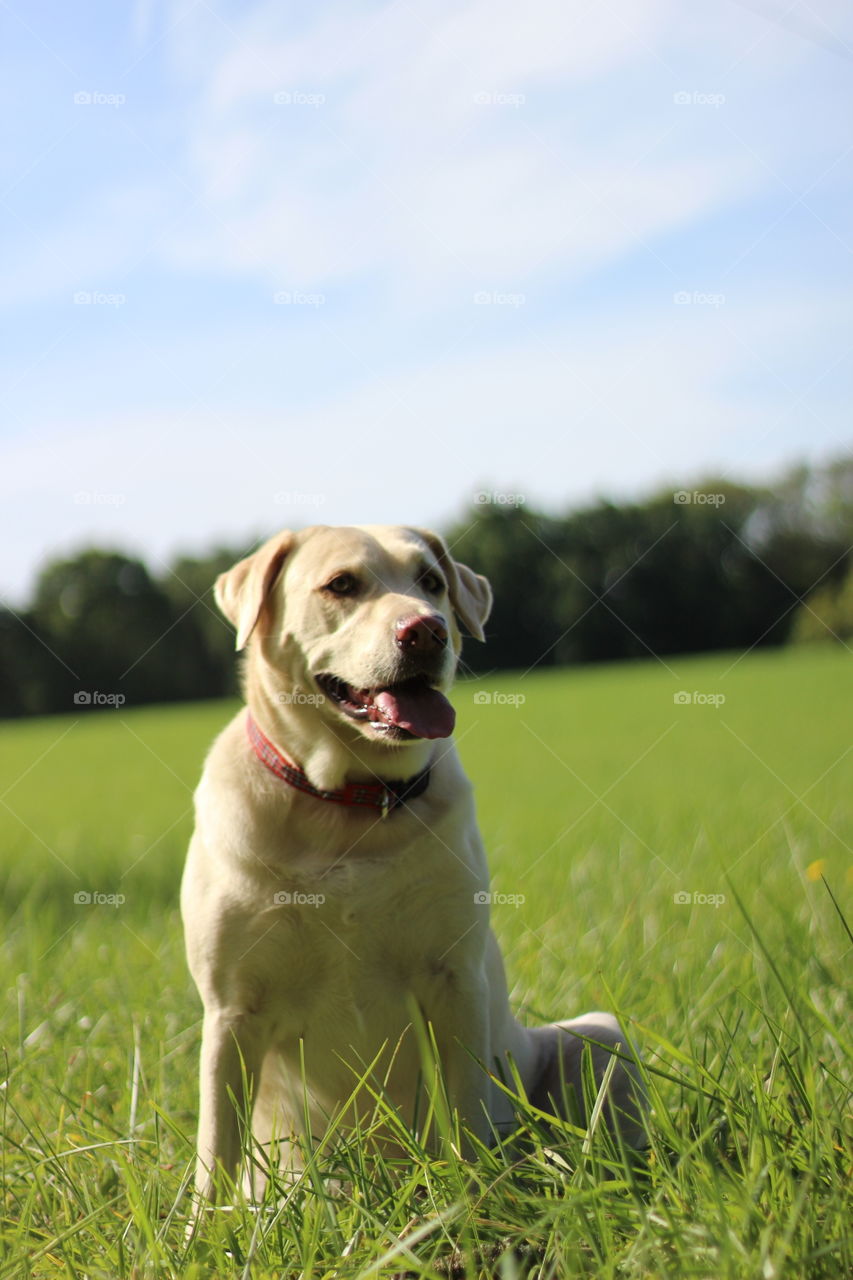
(231, 1054)
(463, 1046)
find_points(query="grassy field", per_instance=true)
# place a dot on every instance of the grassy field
(679, 862)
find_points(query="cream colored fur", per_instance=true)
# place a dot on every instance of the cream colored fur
(382, 917)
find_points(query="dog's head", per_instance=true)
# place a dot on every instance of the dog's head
(360, 624)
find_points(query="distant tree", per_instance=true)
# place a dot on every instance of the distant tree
(608, 581)
(510, 545)
(111, 626)
(834, 497)
(662, 576)
(827, 614)
(724, 566)
(26, 667)
(200, 626)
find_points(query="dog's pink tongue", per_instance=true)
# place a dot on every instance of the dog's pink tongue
(422, 711)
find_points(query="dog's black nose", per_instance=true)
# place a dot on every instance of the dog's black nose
(421, 634)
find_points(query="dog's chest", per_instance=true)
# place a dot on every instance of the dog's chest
(382, 908)
(352, 941)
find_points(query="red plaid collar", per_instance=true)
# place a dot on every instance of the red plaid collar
(384, 796)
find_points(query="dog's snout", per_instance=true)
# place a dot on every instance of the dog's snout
(421, 634)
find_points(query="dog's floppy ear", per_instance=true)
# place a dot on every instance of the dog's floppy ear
(243, 591)
(470, 593)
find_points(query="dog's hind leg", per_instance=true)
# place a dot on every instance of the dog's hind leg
(556, 1081)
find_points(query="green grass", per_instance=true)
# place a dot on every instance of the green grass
(600, 798)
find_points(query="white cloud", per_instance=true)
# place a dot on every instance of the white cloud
(400, 195)
(402, 171)
(825, 23)
(595, 408)
(93, 247)
(415, 162)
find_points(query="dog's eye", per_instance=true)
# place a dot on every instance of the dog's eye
(431, 583)
(344, 584)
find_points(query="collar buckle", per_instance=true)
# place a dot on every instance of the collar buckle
(384, 796)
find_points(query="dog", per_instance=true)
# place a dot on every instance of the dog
(335, 895)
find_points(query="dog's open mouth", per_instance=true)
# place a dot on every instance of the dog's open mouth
(412, 708)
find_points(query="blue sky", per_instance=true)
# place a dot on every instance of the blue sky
(269, 264)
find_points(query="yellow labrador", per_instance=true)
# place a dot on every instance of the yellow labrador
(335, 886)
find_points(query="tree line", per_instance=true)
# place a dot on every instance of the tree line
(717, 566)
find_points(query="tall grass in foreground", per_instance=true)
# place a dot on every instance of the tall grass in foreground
(605, 804)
